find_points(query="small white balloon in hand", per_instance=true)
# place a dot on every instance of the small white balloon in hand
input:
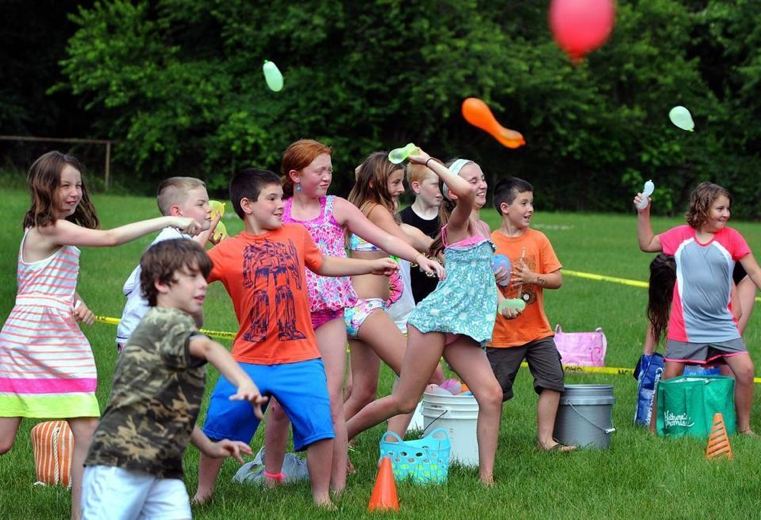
(646, 192)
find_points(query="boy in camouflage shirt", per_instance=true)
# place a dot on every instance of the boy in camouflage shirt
(134, 466)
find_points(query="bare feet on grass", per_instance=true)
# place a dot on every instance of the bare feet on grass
(554, 446)
(487, 480)
(200, 499)
(325, 503)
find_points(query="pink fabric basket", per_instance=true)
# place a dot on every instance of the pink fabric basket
(581, 348)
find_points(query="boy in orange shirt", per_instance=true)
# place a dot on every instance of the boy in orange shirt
(262, 269)
(527, 334)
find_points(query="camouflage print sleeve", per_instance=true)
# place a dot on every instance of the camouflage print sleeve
(174, 339)
(193, 361)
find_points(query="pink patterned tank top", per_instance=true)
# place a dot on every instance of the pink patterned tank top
(326, 293)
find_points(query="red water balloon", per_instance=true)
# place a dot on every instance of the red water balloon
(581, 26)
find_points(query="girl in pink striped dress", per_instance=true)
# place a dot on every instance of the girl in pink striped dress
(47, 368)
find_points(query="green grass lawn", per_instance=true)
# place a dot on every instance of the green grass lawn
(640, 476)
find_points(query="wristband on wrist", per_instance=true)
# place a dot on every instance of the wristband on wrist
(426, 161)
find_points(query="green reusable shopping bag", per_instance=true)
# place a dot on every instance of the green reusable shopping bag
(686, 405)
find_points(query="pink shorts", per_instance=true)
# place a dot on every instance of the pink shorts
(320, 318)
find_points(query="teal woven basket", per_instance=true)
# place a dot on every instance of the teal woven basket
(424, 461)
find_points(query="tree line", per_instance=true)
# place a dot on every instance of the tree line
(179, 85)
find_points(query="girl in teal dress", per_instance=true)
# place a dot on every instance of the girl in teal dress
(454, 320)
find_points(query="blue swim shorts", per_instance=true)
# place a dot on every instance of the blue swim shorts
(301, 388)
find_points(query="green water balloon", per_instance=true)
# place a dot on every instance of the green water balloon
(398, 155)
(681, 117)
(514, 303)
(272, 76)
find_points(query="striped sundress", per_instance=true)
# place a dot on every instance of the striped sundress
(47, 369)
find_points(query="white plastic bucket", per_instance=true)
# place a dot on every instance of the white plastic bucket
(458, 415)
(584, 416)
(417, 423)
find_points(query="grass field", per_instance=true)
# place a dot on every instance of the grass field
(640, 476)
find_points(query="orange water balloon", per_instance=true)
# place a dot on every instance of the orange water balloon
(478, 114)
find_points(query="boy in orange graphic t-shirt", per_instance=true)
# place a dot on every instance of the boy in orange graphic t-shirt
(262, 269)
(527, 334)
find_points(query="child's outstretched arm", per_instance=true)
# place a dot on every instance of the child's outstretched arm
(64, 232)
(455, 183)
(648, 241)
(219, 449)
(462, 189)
(336, 266)
(205, 237)
(416, 237)
(205, 348)
(397, 243)
(347, 213)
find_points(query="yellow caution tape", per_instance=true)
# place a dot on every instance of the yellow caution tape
(603, 278)
(613, 279)
(212, 333)
(616, 371)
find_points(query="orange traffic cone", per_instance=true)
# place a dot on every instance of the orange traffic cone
(718, 440)
(384, 496)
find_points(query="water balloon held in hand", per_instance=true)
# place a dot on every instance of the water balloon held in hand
(682, 118)
(399, 155)
(272, 76)
(218, 208)
(501, 261)
(514, 303)
(220, 232)
(647, 190)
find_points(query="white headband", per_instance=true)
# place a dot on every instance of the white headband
(455, 168)
(458, 165)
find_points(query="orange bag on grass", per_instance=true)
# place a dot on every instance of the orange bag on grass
(53, 446)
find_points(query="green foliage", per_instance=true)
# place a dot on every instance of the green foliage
(179, 83)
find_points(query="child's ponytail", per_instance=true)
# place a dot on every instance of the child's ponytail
(660, 293)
